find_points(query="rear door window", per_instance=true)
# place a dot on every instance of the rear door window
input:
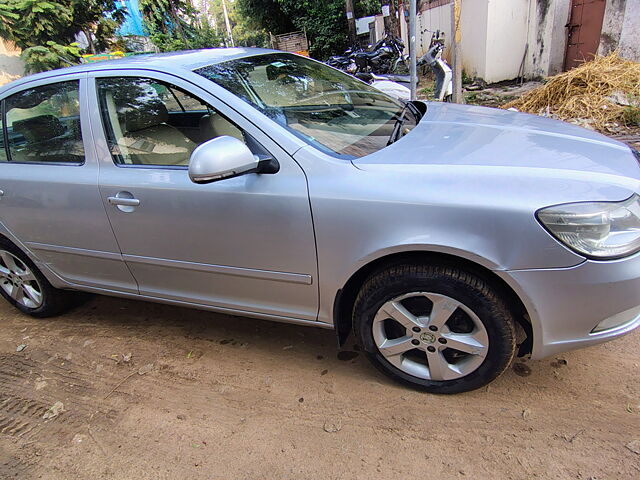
(43, 124)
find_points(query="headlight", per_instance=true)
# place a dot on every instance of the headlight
(599, 230)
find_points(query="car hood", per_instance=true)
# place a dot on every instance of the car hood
(462, 135)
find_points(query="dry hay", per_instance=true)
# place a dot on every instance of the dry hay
(584, 95)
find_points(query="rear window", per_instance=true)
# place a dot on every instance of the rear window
(43, 124)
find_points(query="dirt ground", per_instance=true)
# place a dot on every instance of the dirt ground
(158, 392)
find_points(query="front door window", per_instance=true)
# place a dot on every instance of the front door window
(153, 123)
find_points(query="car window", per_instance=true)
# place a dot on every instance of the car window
(149, 122)
(43, 124)
(180, 101)
(329, 109)
(3, 152)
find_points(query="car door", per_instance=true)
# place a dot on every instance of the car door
(244, 243)
(49, 181)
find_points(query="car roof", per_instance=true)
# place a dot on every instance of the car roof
(167, 62)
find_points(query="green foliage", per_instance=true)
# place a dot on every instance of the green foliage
(37, 22)
(100, 17)
(324, 21)
(45, 29)
(49, 56)
(364, 8)
(244, 29)
(631, 116)
(173, 25)
(267, 14)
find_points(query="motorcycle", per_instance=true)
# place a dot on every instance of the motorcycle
(386, 56)
(444, 74)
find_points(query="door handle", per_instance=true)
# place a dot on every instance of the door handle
(127, 202)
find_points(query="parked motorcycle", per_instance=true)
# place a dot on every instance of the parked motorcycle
(386, 56)
(443, 91)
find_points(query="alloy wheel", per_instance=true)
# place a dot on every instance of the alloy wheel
(18, 281)
(430, 336)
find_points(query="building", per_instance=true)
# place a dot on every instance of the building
(505, 39)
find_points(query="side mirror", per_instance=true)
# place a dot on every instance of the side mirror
(220, 158)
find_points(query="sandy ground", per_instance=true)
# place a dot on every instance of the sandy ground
(207, 396)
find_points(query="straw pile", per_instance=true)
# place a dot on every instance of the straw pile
(603, 94)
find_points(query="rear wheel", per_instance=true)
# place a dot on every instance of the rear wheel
(24, 287)
(441, 329)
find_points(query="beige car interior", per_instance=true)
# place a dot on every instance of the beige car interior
(144, 135)
(47, 140)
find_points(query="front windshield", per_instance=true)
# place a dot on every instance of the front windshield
(326, 107)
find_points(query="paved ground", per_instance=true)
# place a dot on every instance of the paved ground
(207, 396)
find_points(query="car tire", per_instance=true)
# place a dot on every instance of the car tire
(23, 285)
(408, 319)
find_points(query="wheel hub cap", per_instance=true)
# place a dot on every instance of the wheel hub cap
(427, 337)
(430, 336)
(18, 281)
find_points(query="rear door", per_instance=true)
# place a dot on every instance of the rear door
(49, 180)
(244, 243)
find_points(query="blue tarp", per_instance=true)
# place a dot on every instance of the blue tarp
(132, 24)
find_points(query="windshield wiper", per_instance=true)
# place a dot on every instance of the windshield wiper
(402, 117)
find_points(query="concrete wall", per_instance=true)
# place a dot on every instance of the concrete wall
(11, 67)
(474, 20)
(430, 20)
(621, 29)
(497, 35)
(629, 45)
(506, 38)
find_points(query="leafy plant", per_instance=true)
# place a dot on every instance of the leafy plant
(53, 55)
(45, 29)
(173, 25)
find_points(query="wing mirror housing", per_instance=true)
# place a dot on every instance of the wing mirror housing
(226, 157)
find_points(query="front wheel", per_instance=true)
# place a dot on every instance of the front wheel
(441, 329)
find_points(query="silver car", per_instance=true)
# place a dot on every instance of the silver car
(446, 238)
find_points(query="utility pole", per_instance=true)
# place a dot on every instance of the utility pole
(351, 21)
(457, 52)
(413, 70)
(227, 22)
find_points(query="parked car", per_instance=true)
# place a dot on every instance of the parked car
(254, 182)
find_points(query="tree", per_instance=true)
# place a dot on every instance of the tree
(45, 29)
(98, 20)
(245, 30)
(173, 25)
(324, 21)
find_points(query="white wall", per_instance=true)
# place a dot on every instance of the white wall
(506, 38)
(474, 22)
(11, 67)
(495, 35)
(621, 29)
(629, 45)
(429, 21)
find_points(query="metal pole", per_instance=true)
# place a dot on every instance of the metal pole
(457, 53)
(413, 70)
(227, 23)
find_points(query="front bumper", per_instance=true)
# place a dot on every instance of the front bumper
(566, 304)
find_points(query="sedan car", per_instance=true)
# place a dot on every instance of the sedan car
(446, 238)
